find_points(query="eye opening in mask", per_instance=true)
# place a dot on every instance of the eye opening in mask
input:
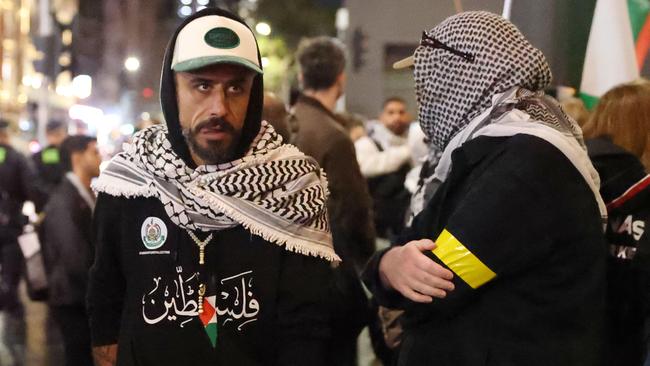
(433, 43)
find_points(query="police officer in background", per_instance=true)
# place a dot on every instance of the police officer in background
(16, 187)
(48, 163)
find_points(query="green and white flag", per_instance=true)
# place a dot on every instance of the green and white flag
(611, 57)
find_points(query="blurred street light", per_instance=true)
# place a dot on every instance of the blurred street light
(132, 64)
(82, 86)
(263, 28)
(184, 11)
(85, 113)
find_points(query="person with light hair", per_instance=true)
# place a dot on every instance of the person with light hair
(623, 115)
(618, 145)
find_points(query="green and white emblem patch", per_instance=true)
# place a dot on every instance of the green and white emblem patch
(153, 233)
(222, 37)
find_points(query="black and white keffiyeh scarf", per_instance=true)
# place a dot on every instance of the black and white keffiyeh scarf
(274, 191)
(498, 92)
(451, 90)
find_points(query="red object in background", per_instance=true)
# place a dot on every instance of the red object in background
(147, 93)
(643, 44)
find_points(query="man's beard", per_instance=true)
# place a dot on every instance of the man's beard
(216, 152)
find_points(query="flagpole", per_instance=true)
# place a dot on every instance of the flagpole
(507, 7)
(459, 6)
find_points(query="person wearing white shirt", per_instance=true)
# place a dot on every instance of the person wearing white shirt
(384, 157)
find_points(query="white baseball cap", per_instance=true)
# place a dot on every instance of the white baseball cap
(214, 39)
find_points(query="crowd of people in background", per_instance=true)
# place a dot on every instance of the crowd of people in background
(476, 227)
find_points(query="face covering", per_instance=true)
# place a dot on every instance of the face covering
(461, 63)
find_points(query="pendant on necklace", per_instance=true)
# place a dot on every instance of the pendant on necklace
(201, 245)
(201, 294)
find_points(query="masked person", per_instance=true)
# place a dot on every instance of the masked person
(212, 237)
(505, 264)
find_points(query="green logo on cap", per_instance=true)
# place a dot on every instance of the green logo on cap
(222, 38)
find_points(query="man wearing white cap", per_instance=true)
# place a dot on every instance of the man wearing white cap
(212, 239)
(504, 265)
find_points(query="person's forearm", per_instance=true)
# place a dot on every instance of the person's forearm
(105, 355)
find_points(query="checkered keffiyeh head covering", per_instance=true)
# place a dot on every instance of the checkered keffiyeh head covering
(451, 90)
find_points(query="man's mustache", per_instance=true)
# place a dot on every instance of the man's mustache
(214, 122)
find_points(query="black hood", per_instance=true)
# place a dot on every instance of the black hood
(618, 168)
(170, 107)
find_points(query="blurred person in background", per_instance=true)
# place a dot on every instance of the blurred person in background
(320, 135)
(146, 122)
(618, 134)
(212, 238)
(576, 109)
(384, 157)
(68, 248)
(353, 123)
(17, 185)
(275, 112)
(49, 166)
(516, 274)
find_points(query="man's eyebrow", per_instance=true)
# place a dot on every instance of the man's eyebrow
(196, 78)
(237, 80)
(199, 79)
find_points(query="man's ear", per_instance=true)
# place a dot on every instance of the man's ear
(300, 80)
(75, 159)
(341, 80)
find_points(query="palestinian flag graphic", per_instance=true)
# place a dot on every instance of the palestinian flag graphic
(209, 318)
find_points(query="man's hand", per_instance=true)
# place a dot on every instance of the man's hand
(407, 270)
(105, 355)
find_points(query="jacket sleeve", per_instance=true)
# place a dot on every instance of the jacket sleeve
(66, 244)
(29, 182)
(502, 226)
(373, 162)
(349, 206)
(303, 316)
(107, 283)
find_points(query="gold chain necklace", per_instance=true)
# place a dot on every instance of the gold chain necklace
(201, 244)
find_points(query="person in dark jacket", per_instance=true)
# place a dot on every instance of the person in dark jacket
(275, 113)
(68, 248)
(212, 239)
(385, 159)
(49, 166)
(317, 132)
(505, 264)
(16, 186)
(616, 144)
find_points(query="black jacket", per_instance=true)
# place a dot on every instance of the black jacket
(144, 290)
(67, 245)
(529, 225)
(625, 187)
(50, 172)
(16, 186)
(317, 133)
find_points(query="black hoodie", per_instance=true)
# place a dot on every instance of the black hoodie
(625, 188)
(267, 306)
(170, 107)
